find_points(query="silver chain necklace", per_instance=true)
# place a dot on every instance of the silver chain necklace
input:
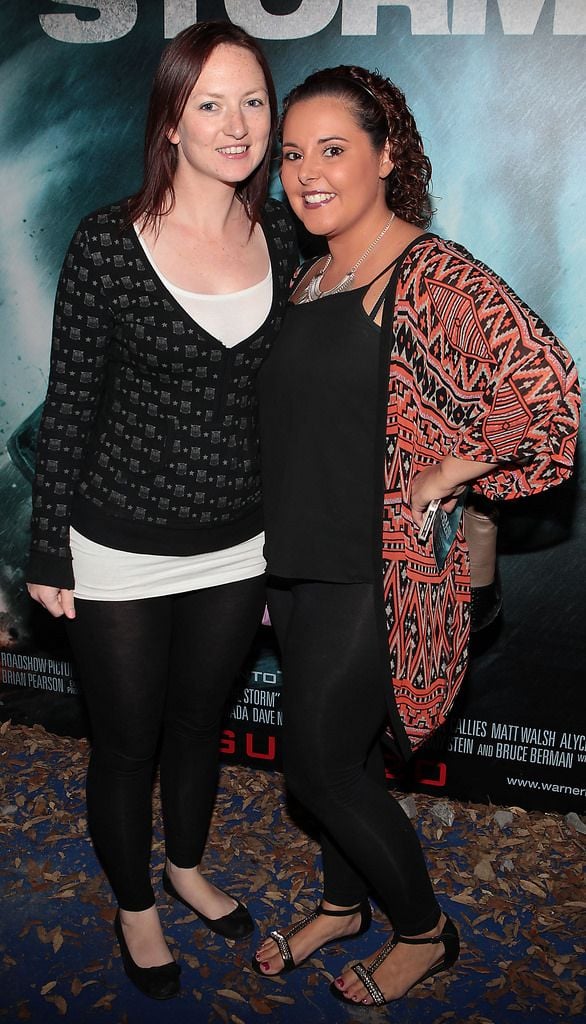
(313, 290)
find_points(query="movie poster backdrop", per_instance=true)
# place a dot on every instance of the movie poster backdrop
(497, 90)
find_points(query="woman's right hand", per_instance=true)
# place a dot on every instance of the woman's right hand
(57, 601)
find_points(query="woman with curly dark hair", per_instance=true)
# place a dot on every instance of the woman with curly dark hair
(405, 372)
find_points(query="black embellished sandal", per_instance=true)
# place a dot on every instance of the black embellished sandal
(449, 937)
(281, 939)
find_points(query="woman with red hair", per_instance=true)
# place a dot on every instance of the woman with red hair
(147, 522)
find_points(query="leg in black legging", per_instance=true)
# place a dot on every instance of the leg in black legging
(333, 710)
(122, 652)
(212, 632)
(344, 885)
(161, 663)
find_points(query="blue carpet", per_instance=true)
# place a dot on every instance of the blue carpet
(513, 884)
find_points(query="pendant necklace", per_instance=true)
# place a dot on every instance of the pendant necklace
(313, 290)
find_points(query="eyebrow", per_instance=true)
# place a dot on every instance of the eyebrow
(220, 95)
(327, 138)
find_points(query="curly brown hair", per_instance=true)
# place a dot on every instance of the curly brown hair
(381, 111)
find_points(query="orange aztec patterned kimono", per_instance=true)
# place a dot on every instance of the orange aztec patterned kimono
(476, 374)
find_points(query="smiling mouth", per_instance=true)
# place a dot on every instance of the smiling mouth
(318, 198)
(233, 150)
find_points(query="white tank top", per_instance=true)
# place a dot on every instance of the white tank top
(231, 317)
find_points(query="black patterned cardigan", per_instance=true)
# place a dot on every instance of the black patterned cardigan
(149, 438)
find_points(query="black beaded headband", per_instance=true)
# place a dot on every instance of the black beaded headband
(350, 80)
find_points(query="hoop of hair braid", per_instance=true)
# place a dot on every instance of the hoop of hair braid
(383, 113)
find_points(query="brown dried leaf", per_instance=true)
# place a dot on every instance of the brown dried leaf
(105, 1001)
(190, 960)
(577, 1003)
(60, 1003)
(484, 870)
(231, 994)
(52, 876)
(466, 898)
(260, 1005)
(531, 887)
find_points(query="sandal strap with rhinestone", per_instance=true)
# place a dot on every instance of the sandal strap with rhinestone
(284, 951)
(281, 938)
(448, 936)
(366, 973)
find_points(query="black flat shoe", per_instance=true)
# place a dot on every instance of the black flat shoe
(448, 936)
(238, 924)
(281, 939)
(155, 982)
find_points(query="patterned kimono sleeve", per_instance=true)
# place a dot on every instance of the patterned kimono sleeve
(527, 413)
(82, 324)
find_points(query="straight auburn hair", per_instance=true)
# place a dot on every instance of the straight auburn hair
(180, 66)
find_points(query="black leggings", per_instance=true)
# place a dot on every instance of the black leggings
(155, 670)
(333, 712)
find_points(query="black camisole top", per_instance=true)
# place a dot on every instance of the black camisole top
(317, 393)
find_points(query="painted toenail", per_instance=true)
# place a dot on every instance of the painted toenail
(265, 966)
(339, 982)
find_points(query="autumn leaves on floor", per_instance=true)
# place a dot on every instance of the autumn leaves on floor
(511, 880)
